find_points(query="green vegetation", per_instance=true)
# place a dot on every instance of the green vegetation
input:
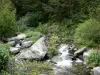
(32, 35)
(88, 33)
(28, 68)
(53, 46)
(94, 59)
(4, 56)
(7, 22)
(81, 69)
(62, 21)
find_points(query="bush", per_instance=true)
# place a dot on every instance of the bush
(7, 23)
(81, 69)
(43, 28)
(34, 19)
(53, 46)
(28, 68)
(32, 36)
(88, 33)
(4, 55)
(94, 59)
(66, 30)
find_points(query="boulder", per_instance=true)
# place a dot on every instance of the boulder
(11, 43)
(96, 70)
(11, 39)
(81, 51)
(14, 50)
(21, 36)
(18, 45)
(78, 60)
(36, 51)
(26, 44)
(55, 59)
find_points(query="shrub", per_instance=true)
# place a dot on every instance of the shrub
(66, 30)
(53, 46)
(43, 28)
(81, 69)
(28, 68)
(7, 23)
(34, 19)
(94, 59)
(32, 36)
(88, 33)
(4, 55)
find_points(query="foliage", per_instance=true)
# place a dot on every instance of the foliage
(4, 73)
(4, 55)
(53, 45)
(43, 28)
(81, 69)
(88, 33)
(34, 19)
(32, 35)
(6, 4)
(63, 30)
(94, 59)
(66, 30)
(29, 68)
(96, 14)
(7, 23)
(25, 6)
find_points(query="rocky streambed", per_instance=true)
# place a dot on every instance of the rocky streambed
(68, 54)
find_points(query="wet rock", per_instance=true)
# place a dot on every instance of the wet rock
(78, 60)
(80, 51)
(55, 59)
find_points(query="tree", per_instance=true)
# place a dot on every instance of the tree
(7, 20)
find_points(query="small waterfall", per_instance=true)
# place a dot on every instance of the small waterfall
(64, 65)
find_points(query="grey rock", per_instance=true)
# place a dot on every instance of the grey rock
(81, 51)
(36, 51)
(21, 36)
(96, 70)
(14, 50)
(11, 43)
(26, 44)
(18, 45)
(11, 39)
(55, 59)
(78, 60)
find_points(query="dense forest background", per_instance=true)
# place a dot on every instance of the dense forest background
(67, 14)
(62, 21)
